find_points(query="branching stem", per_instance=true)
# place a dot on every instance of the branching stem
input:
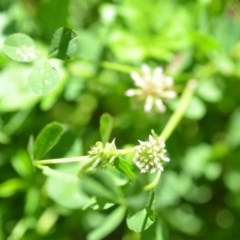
(178, 114)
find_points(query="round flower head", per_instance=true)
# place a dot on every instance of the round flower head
(150, 155)
(152, 86)
(103, 153)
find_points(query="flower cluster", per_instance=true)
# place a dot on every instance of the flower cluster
(153, 87)
(150, 155)
(103, 153)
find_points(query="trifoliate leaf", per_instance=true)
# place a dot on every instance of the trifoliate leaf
(64, 43)
(43, 78)
(20, 47)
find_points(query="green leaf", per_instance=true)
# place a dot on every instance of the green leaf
(4, 139)
(196, 109)
(30, 149)
(13, 78)
(157, 231)
(139, 221)
(125, 167)
(22, 164)
(47, 139)
(108, 225)
(12, 186)
(233, 136)
(50, 15)
(46, 221)
(231, 180)
(209, 91)
(20, 47)
(90, 47)
(136, 198)
(64, 43)
(196, 159)
(62, 186)
(182, 219)
(101, 185)
(171, 188)
(33, 198)
(43, 78)
(106, 125)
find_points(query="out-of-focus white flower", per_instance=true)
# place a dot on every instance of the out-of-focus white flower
(150, 155)
(153, 87)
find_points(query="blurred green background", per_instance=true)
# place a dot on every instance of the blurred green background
(199, 193)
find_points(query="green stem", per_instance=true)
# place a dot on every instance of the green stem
(153, 184)
(61, 160)
(125, 151)
(178, 114)
(118, 67)
(109, 65)
(77, 159)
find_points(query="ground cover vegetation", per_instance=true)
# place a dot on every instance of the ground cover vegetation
(119, 119)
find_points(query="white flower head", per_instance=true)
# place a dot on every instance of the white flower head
(152, 86)
(150, 155)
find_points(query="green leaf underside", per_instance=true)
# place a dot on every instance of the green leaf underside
(125, 167)
(64, 43)
(43, 79)
(47, 139)
(20, 47)
(106, 125)
(139, 221)
(108, 225)
(62, 186)
(101, 185)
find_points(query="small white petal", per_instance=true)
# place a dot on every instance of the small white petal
(138, 80)
(141, 142)
(166, 159)
(148, 104)
(151, 139)
(158, 73)
(146, 69)
(156, 148)
(153, 170)
(159, 105)
(169, 94)
(161, 143)
(133, 92)
(161, 168)
(168, 81)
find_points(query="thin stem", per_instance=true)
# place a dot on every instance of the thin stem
(109, 65)
(125, 151)
(153, 184)
(61, 160)
(117, 67)
(178, 114)
(77, 159)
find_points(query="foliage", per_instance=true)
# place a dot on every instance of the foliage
(69, 134)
